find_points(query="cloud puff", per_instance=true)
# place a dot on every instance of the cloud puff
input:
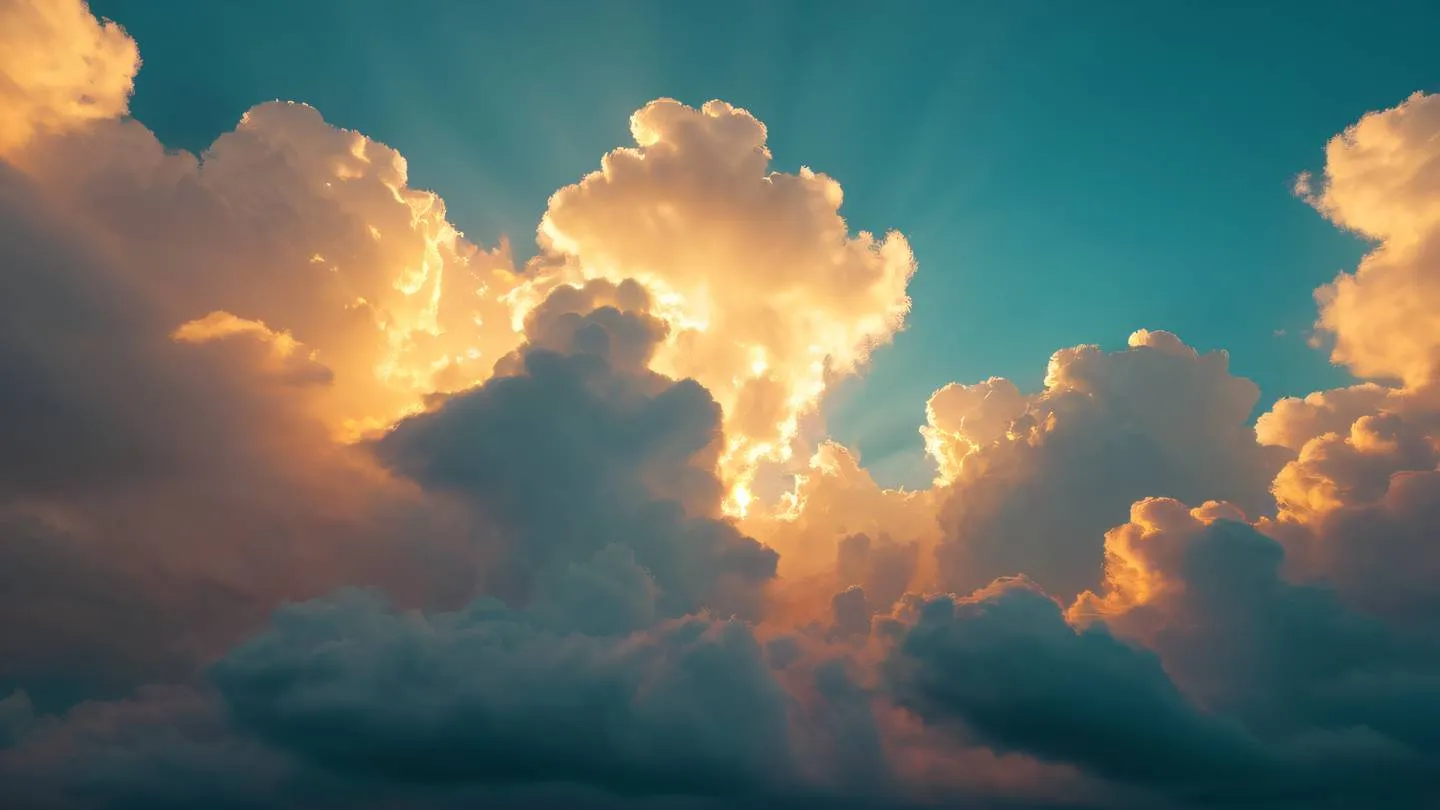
(1006, 665)
(1109, 428)
(60, 69)
(1358, 509)
(1197, 674)
(279, 354)
(165, 748)
(1382, 179)
(1359, 502)
(570, 453)
(492, 503)
(695, 213)
(17, 715)
(837, 528)
(489, 694)
(1318, 681)
(306, 228)
(833, 498)
(611, 321)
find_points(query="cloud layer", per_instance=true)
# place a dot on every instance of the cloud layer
(306, 500)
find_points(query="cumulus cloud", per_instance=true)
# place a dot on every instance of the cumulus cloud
(61, 69)
(695, 213)
(1005, 663)
(164, 494)
(162, 748)
(1333, 691)
(1198, 674)
(177, 363)
(1382, 180)
(308, 229)
(1033, 482)
(569, 453)
(834, 497)
(1358, 503)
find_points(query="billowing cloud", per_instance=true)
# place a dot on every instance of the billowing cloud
(1317, 680)
(61, 68)
(1033, 482)
(308, 229)
(1358, 504)
(164, 748)
(695, 213)
(570, 452)
(1382, 180)
(279, 354)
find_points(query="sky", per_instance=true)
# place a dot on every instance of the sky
(1087, 168)
(624, 405)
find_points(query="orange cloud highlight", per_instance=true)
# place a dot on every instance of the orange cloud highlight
(60, 69)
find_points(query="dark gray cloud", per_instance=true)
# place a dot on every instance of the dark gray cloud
(572, 453)
(1005, 665)
(157, 499)
(1063, 466)
(494, 695)
(1292, 661)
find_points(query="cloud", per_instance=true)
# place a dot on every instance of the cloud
(162, 748)
(1357, 509)
(1293, 421)
(312, 502)
(306, 228)
(695, 213)
(1006, 664)
(489, 694)
(279, 354)
(173, 471)
(61, 69)
(569, 453)
(612, 321)
(168, 493)
(1382, 180)
(1033, 482)
(17, 715)
(1358, 503)
(1333, 690)
(962, 419)
(1197, 674)
(837, 528)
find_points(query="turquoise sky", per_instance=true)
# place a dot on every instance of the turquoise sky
(1066, 171)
